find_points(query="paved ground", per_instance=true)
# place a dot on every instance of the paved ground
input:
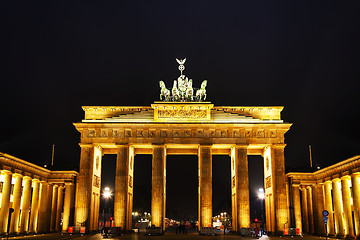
(170, 236)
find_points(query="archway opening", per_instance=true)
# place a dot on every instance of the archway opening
(142, 191)
(181, 190)
(221, 180)
(256, 183)
(108, 170)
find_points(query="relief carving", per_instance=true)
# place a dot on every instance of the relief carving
(248, 134)
(236, 133)
(268, 182)
(176, 133)
(152, 133)
(163, 133)
(182, 113)
(260, 133)
(96, 181)
(200, 133)
(91, 133)
(187, 133)
(103, 133)
(128, 133)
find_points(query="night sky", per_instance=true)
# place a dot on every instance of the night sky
(60, 55)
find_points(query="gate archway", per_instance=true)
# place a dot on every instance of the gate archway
(196, 128)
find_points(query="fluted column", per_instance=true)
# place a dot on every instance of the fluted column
(158, 186)
(355, 182)
(43, 210)
(54, 208)
(279, 187)
(84, 187)
(34, 206)
(320, 226)
(339, 225)
(69, 189)
(121, 186)
(59, 208)
(304, 209)
(25, 209)
(297, 206)
(49, 198)
(205, 186)
(329, 208)
(242, 187)
(348, 220)
(5, 201)
(310, 210)
(14, 226)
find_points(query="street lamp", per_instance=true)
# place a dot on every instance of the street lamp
(106, 195)
(261, 196)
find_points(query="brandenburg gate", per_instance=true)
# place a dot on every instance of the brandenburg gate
(183, 124)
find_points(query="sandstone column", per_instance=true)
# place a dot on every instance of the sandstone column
(329, 208)
(304, 209)
(297, 206)
(69, 189)
(14, 226)
(339, 225)
(242, 187)
(41, 226)
(348, 220)
(121, 186)
(279, 186)
(158, 186)
(315, 210)
(310, 210)
(59, 208)
(319, 209)
(84, 187)
(34, 206)
(355, 182)
(49, 198)
(24, 218)
(5, 201)
(54, 208)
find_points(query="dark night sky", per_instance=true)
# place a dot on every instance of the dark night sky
(61, 55)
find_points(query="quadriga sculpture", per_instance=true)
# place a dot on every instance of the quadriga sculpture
(189, 92)
(164, 92)
(175, 92)
(201, 93)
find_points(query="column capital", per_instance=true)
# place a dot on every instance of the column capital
(336, 180)
(121, 145)
(278, 146)
(6, 172)
(68, 184)
(85, 145)
(295, 185)
(356, 174)
(346, 177)
(17, 175)
(27, 178)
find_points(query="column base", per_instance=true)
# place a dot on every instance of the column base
(339, 235)
(349, 236)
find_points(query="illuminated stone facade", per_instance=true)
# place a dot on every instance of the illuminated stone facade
(38, 196)
(191, 128)
(335, 189)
